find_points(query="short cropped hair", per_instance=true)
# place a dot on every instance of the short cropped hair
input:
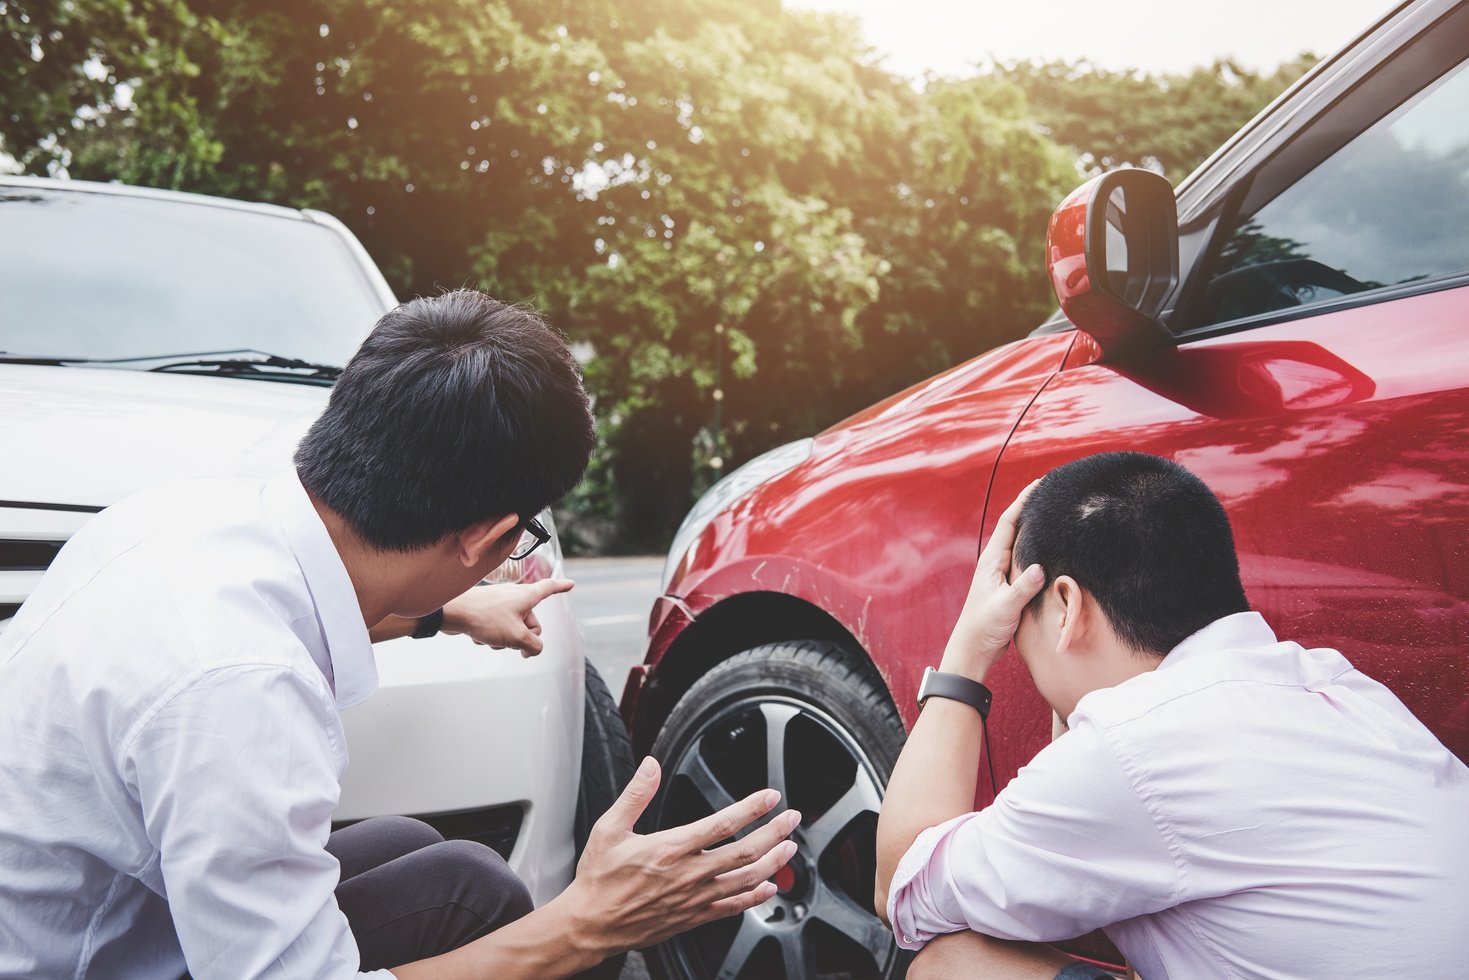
(1144, 536)
(456, 409)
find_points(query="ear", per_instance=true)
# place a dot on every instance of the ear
(1074, 606)
(475, 543)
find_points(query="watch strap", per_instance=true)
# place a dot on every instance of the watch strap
(429, 625)
(937, 684)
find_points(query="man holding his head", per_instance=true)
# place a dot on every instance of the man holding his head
(1223, 803)
(171, 744)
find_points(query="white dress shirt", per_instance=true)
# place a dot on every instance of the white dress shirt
(1249, 809)
(170, 744)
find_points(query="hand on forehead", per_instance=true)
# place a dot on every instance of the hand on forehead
(1009, 527)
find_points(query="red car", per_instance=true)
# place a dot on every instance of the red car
(1296, 332)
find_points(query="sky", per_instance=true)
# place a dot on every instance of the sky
(948, 37)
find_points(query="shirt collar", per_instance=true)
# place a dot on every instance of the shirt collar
(346, 660)
(1233, 632)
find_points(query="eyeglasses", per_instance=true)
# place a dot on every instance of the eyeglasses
(533, 534)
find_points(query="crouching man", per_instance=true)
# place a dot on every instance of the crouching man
(171, 740)
(1224, 803)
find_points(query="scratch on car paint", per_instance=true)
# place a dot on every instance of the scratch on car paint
(755, 575)
(862, 624)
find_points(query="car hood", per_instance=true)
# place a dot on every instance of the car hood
(1036, 358)
(90, 436)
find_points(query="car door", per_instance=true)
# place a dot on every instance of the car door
(1320, 383)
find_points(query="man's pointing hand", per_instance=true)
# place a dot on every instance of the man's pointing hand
(503, 615)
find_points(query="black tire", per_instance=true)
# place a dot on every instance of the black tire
(606, 767)
(824, 718)
(606, 758)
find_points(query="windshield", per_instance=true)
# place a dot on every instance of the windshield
(98, 276)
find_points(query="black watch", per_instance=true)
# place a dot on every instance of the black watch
(429, 625)
(937, 684)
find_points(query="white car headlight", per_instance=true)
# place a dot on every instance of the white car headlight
(766, 466)
(544, 562)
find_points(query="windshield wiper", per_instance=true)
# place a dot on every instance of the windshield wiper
(265, 367)
(7, 358)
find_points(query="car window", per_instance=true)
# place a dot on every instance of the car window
(1390, 207)
(99, 276)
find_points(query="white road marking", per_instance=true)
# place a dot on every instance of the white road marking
(612, 620)
(605, 585)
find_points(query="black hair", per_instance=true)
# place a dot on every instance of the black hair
(1144, 536)
(456, 409)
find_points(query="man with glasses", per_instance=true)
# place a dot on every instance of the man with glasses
(171, 744)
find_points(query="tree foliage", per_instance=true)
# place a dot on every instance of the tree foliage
(1172, 121)
(749, 227)
(69, 68)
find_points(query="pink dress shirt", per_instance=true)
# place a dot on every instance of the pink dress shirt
(1249, 809)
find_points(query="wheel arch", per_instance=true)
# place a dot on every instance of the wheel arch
(729, 627)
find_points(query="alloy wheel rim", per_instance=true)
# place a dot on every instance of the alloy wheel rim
(818, 921)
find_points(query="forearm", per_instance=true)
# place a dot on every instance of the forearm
(935, 780)
(549, 943)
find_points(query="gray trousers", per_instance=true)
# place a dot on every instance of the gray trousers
(409, 894)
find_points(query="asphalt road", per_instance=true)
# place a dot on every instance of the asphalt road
(612, 599)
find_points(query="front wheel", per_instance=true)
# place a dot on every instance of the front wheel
(606, 767)
(815, 723)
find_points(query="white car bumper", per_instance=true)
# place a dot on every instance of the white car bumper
(456, 728)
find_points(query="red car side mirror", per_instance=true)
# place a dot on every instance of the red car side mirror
(1112, 252)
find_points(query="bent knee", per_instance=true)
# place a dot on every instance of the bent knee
(483, 876)
(407, 833)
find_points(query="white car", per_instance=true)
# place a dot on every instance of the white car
(148, 335)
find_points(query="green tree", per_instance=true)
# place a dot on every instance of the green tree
(964, 232)
(74, 71)
(726, 273)
(1172, 120)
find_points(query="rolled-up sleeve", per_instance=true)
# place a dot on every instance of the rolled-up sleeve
(1068, 846)
(237, 776)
